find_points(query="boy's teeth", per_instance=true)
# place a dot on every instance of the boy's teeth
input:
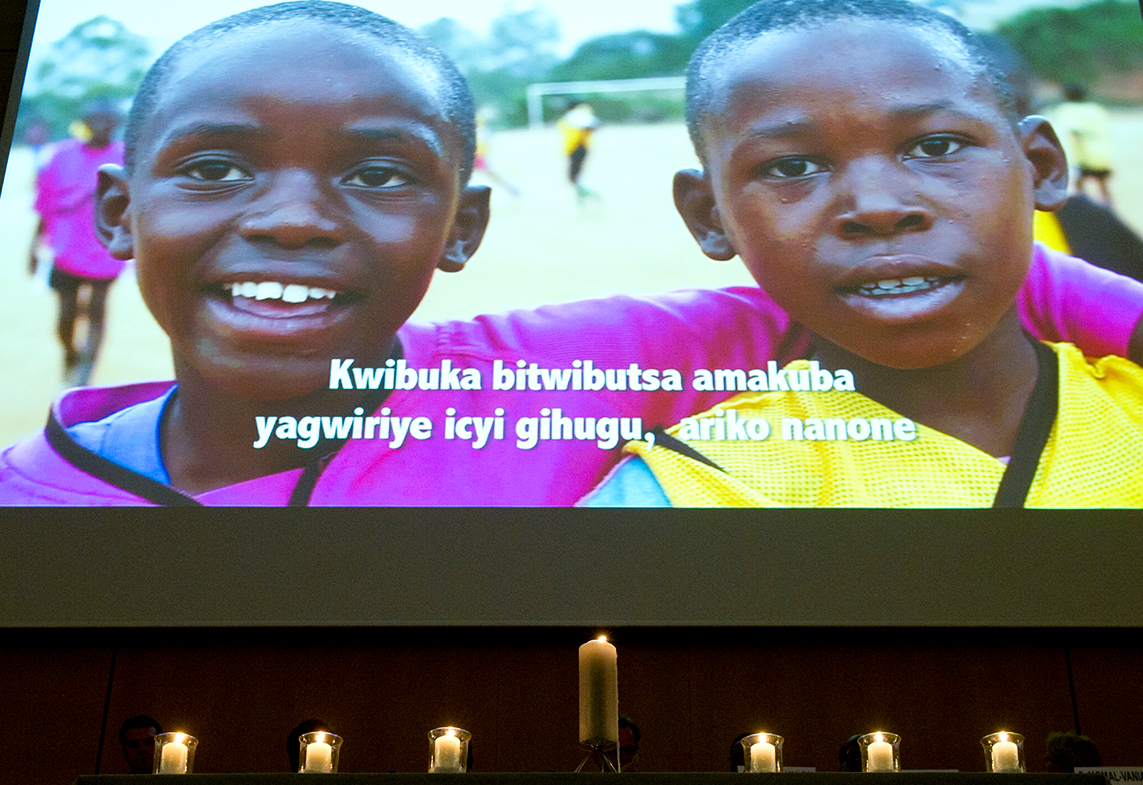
(295, 293)
(268, 290)
(913, 283)
(272, 290)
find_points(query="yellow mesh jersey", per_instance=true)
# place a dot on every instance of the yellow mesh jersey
(1046, 229)
(1093, 457)
(574, 136)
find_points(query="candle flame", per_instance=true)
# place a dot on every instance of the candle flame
(879, 737)
(602, 638)
(320, 737)
(450, 732)
(179, 738)
(1003, 736)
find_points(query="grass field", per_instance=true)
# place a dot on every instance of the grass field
(540, 248)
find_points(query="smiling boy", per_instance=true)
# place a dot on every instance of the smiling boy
(882, 193)
(295, 175)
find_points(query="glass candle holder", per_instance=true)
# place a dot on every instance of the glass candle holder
(448, 750)
(174, 753)
(880, 751)
(319, 753)
(762, 753)
(1003, 752)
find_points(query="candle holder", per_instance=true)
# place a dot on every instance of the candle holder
(1003, 752)
(448, 750)
(174, 753)
(880, 751)
(597, 755)
(762, 753)
(319, 754)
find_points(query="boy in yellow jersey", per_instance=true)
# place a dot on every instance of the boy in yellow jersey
(577, 125)
(862, 158)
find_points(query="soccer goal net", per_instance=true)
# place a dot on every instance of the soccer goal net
(539, 91)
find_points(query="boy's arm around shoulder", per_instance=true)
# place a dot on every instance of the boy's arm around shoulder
(736, 327)
(1067, 299)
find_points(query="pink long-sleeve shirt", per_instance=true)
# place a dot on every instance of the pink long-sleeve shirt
(1063, 299)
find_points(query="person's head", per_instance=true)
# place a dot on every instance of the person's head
(1075, 92)
(1066, 750)
(294, 740)
(849, 754)
(737, 755)
(629, 736)
(137, 738)
(864, 161)
(294, 175)
(101, 119)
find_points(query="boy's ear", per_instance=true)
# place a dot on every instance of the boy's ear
(1049, 164)
(112, 217)
(467, 228)
(694, 199)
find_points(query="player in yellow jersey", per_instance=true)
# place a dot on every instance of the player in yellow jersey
(577, 126)
(864, 160)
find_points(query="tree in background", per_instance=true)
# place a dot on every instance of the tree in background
(1080, 45)
(700, 18)
(633, 55)
(100, 59)
(519, 50)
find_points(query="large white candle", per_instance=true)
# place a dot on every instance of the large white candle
(174, 757)
(1005, 755)
(763, 757)
(319, 758)
(880, 755)
(446, 753)
(598, 692)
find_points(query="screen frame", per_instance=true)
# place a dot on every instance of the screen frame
(553, 567)
(528, 567)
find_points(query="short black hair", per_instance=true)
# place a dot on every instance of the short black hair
(1068, 750)
(770, 16)
(138, 721)
(627, 722)
(294, 740)
(459, 107)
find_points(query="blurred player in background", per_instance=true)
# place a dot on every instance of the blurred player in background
(1085, 131)
(577, 125)
(82, 269)
(484, 116)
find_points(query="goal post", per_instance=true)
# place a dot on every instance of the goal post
(537, 91)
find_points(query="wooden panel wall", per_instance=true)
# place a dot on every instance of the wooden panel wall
(692, 691)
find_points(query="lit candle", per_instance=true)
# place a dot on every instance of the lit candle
(319, 757)
(598, 692)
(880, 755)
(174, 757)
(1005, 755)
(762, 757)
(446, 753)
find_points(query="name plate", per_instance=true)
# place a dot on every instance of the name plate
(1114, 774)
